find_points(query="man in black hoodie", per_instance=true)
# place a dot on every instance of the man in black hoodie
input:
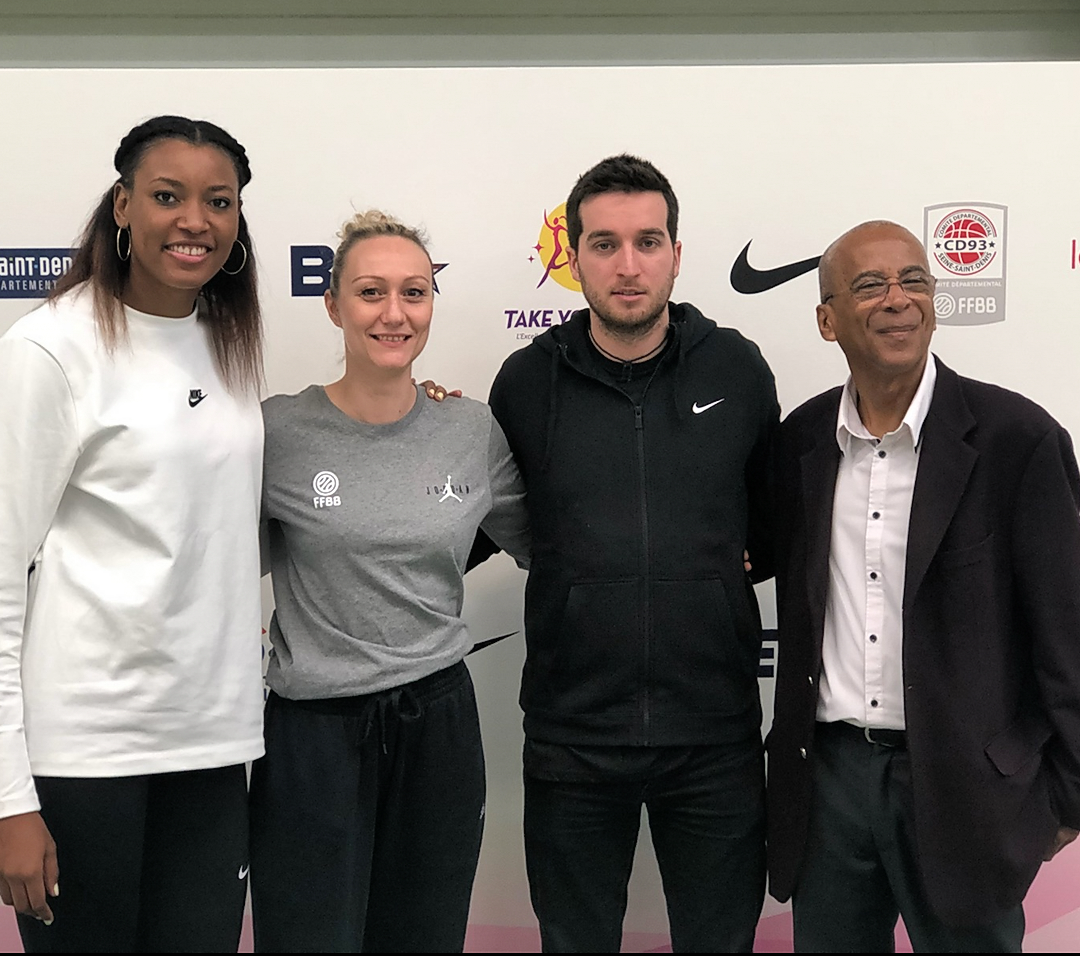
(642, 431)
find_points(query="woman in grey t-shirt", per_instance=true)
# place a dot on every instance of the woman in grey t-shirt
(367, 810)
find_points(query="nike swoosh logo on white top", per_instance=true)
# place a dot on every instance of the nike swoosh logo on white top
(698, 409)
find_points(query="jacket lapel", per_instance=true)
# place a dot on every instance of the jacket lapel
(945, 463)
(818, 467)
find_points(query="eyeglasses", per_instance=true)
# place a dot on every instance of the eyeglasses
(872, 288)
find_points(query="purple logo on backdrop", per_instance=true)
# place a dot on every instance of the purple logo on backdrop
(535, 318)
(31, 273)
(310, 267)
(549, 256)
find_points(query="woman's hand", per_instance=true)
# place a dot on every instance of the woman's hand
(29, 874)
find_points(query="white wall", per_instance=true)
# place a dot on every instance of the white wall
(791, 214)
(786, 156)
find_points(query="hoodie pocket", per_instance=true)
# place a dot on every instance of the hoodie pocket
(705, 647)
(596, 661)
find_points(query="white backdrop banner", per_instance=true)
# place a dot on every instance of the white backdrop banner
(769, 163)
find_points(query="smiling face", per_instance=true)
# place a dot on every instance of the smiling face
(879, 303)
(383, 305)
(625, 260)
(183, 210)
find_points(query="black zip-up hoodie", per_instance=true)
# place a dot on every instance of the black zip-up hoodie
(641, 624)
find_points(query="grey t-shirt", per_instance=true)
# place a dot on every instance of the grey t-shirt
(369, 528)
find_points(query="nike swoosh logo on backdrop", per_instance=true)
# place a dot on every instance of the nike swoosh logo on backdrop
(480, 645)
(698, 409)
(749, 281)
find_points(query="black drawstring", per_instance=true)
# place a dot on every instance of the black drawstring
(398, 702)
(553, 405)
(682, 401)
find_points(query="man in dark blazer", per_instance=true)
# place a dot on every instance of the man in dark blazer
(924, 757)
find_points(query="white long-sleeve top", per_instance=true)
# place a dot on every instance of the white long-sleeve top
(129, 603)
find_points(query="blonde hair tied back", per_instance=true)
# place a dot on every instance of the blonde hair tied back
(368, 225)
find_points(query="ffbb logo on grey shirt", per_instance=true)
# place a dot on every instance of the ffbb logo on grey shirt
(325, 484)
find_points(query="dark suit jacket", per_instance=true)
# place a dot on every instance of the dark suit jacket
(991, 646)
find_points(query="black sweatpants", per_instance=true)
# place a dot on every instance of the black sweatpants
(152, 863)
(366, 816)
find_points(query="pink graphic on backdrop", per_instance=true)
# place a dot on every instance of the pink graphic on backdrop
(556, 226)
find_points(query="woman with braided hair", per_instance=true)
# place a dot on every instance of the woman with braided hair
(130, 691)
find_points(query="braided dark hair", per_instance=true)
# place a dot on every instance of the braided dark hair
(229, 304)
(197, 132)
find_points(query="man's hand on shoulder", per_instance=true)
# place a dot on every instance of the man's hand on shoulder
(29, 874)
(436, 391)
(1063, 838)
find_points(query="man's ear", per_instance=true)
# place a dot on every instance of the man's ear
(824, 323)
(572, 261)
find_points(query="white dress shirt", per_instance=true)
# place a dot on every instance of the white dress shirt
(862, 673)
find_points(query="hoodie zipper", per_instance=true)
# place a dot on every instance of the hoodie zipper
(646, 577)
(639, 434)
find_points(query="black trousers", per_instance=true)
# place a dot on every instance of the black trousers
(366, 817)
(706, 817)
(861, 869)
(153, 863)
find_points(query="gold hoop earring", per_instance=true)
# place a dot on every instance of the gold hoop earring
(243, 262)
(120, 230)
